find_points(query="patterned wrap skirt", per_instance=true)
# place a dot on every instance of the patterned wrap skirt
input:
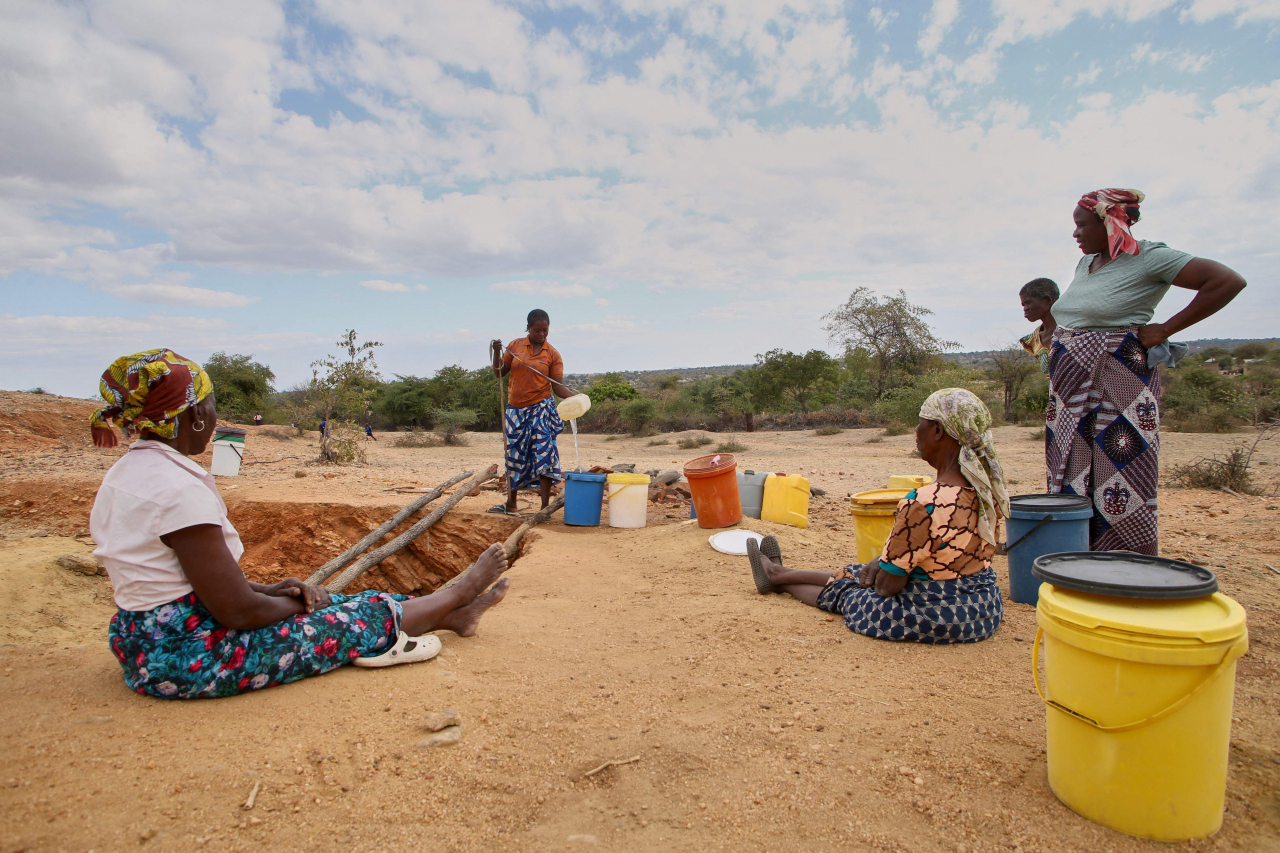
(179, 651)
(964, 610)
(532, 452)
(1102, 434)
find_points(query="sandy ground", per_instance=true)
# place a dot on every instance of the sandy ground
(758, 723)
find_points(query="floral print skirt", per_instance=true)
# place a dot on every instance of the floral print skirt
(964, 610)
(179, 651)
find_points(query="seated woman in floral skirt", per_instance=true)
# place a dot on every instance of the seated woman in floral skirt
(189, 624)
(933, 583)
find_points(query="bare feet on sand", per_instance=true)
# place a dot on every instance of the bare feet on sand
(487, 568)
(464, 620)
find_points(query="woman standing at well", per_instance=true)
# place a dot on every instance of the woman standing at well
(531, 423)
(1103, 420)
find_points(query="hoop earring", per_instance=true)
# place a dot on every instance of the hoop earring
(199, 428)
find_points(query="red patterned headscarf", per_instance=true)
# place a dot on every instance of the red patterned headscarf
(1118, 209)
(147, 390)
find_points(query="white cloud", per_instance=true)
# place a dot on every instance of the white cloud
(1244, 10)
(550, 289)
(385, 286)
(1087, 77)
(941, 16)
(1186, 61)
(879, 18)
(602, 302)
(161, 293)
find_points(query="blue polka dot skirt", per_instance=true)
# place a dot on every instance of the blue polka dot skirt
(964, 610)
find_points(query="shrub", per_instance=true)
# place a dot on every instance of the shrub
(731, 447)
(37, 390)
(1037, 435)
(1231, 472)
(346, 443)
(658, 442)
(694, 442)
(828, 430)
(450, 423)
(896, 429)
(278, 433)
(415, 437)
(639, 412)
(875, 439)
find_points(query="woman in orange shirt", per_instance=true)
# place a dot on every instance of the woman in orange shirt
(532, 424)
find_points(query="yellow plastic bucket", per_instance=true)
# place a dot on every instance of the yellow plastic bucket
(909, 481)
(1138, 695)
(873, 514)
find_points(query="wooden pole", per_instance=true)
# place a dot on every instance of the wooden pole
(512, 545)
(377, 555)
(331, 568)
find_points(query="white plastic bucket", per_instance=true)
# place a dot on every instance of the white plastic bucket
(628, 500)
(228, 450)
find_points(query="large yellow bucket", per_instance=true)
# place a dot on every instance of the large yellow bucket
(1139, 698)
(873, 513)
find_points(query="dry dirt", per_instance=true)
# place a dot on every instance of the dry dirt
(759, 723)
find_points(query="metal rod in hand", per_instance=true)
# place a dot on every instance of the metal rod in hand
(377, 555)
(332, 567)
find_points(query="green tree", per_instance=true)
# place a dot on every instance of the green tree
(639, 413)
(241, 384)
(789, 375)
(1250, 350)
(1013, 367)
(612, 386)
(342, 385)
(892, 330)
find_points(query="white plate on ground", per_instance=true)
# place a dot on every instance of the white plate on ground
(733, 542)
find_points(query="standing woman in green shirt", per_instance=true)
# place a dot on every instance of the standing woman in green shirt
(1103, 420)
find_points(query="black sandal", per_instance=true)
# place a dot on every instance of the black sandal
(763, 585)
(769, 547)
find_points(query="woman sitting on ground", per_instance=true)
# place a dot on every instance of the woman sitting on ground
(933, 582)
(190, 625)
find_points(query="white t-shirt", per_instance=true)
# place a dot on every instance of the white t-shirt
(152, 491)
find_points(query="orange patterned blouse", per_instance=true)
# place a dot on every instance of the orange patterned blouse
(528, 387)
(935, 534)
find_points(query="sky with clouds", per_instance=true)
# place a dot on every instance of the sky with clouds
(677, 183)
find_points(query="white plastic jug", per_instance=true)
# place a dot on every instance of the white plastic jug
(572, 408)
(628, 500)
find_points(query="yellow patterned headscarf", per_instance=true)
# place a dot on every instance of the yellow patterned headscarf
(147, 391)
(966, 419)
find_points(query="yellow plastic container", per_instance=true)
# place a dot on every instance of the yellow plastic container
(909, 481)
(1139, 707)
(786, 500)
(628, 496)
(873, 514)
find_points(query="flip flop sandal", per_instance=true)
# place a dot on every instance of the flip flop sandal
(769, 547)
(499, 509)
(406, 650)
(763, 585)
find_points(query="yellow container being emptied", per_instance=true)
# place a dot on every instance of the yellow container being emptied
(873, 514)
(786, 500)
(1139, 706)
(909, 481)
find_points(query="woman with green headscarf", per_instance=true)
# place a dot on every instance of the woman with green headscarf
(190, 624)
(933, 582)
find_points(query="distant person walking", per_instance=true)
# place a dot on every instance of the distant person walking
(368, 433)
(257, 420)
(1103, 420)
(532, 424)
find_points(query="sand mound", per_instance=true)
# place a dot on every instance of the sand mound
(50, 604)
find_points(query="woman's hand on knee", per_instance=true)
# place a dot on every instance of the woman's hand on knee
(867, 576)
(313, 597)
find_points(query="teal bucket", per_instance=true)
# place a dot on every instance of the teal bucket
(1039, 525)
(583, 498)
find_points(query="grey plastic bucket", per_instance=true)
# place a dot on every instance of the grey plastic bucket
(1039, 525)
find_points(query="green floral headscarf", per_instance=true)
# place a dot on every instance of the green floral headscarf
(966, 419)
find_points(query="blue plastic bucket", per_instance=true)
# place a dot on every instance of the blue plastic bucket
(1039, 525)
(583, 497)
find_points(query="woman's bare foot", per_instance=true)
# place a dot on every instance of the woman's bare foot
(465, 620)
(478, 577)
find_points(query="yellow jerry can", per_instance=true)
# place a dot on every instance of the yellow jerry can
(786, 500)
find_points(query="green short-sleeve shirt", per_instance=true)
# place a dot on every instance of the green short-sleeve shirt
(1123, 293)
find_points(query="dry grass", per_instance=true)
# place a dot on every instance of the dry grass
(415, 437)
(694, 443)
(658, 442)
(1231, 472)
(828, 430)
(731, 447)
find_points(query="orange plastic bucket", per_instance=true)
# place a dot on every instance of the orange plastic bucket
(713, 483)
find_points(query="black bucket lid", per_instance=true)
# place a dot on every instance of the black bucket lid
(226, 430)
(1050, 503)
(1125, 574)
